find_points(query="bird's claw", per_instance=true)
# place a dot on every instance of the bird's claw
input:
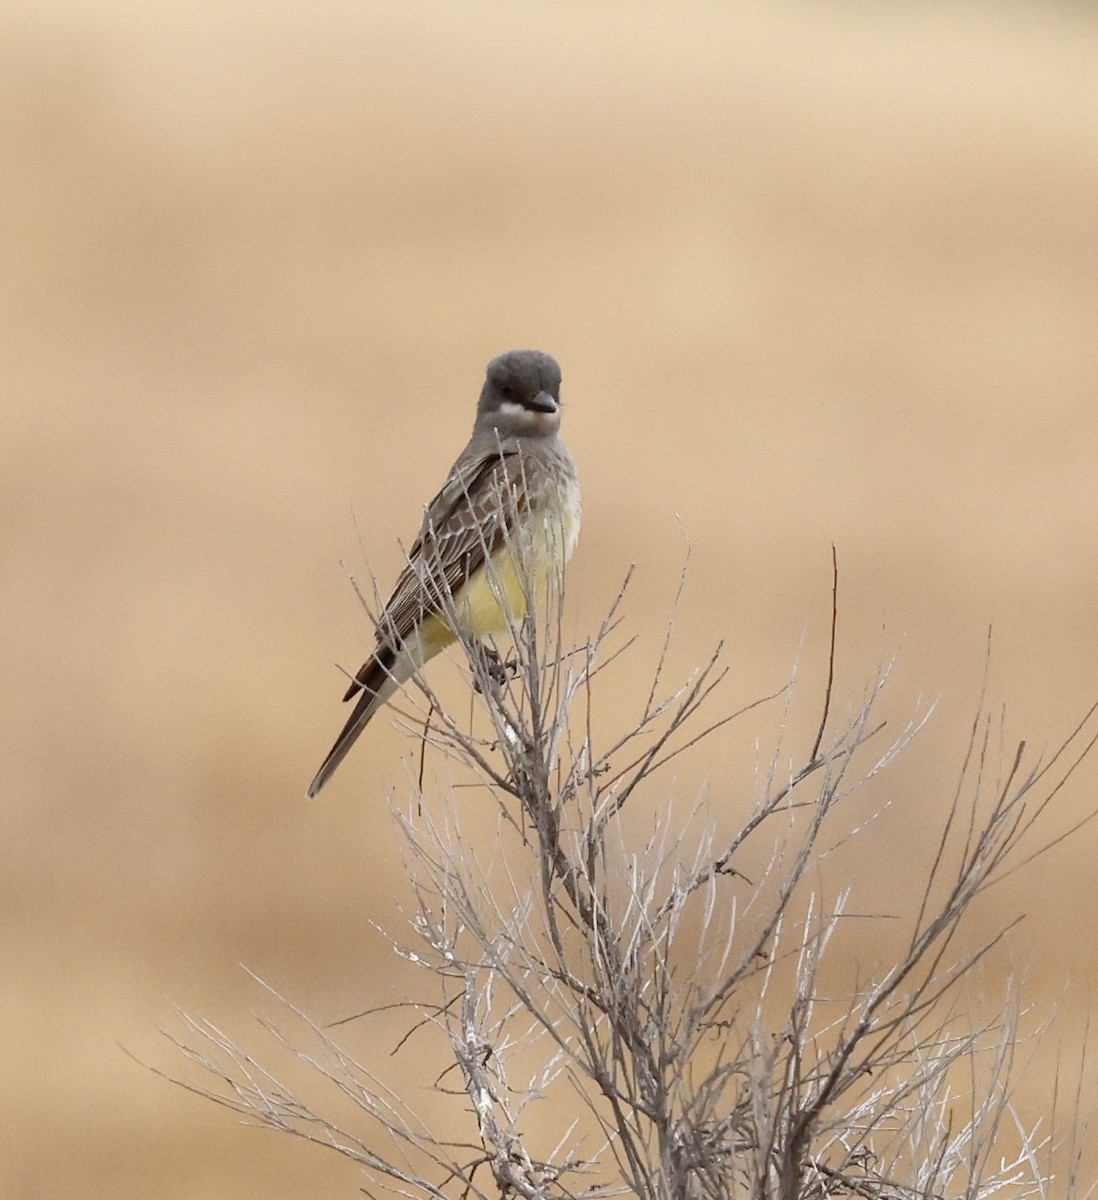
(497, 670)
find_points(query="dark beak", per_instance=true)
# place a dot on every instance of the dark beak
(543, 403)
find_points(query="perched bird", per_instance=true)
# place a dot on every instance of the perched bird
(507, 516)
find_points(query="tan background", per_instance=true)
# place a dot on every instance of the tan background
(814, 274)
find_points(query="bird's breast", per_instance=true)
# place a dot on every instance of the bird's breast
(557, 518)
(521, 567)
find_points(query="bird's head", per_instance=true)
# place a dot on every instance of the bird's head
(521, 395)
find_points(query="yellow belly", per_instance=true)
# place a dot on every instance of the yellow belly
(496, 596)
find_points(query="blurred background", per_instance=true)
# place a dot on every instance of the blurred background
(815, 273)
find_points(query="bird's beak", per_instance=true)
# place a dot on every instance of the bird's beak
(544, 403)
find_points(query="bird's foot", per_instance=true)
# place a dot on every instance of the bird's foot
(498, 670)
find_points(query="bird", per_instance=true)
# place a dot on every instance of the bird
(506, 519)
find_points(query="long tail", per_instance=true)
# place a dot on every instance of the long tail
(377, 684)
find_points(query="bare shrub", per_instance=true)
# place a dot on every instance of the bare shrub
(676, 1009)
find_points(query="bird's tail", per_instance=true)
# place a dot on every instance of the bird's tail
(376, 682)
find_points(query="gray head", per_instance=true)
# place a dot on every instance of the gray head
(521, 395)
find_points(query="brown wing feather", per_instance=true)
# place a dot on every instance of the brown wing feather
(473, 513)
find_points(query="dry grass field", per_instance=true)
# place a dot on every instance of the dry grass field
(816, 274)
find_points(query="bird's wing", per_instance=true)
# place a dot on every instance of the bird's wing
(473, 513)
